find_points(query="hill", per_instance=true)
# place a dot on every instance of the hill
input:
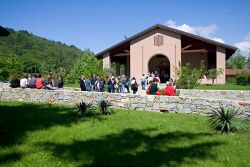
(22, 52)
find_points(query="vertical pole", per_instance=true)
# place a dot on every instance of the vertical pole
(175, 63)
(142, 61)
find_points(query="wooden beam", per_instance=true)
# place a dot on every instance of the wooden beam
(186, 47)
(194, 51)
(127, 51)
(121, 54)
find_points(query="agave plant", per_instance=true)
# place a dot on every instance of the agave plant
(104, 107)
(83, 108)
(226, 119)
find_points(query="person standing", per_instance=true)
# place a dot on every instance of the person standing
(93, 81)
(82, 84)
(127, 84)
(134, 85)
(123, 83)
(101, 84)
(88, 84)
(143, 82)
(109, 83)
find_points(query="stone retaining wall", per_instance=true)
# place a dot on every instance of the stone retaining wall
(136, 102)
(239, 95)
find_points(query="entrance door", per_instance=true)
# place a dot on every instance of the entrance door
(160, 64)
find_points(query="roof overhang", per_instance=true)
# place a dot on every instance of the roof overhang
(229, 49)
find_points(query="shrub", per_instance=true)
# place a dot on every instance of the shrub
(231, 80)
(243, 78)
(214, 73)
(189, 77)
(225, 119)
(83, 108)
(104, 107)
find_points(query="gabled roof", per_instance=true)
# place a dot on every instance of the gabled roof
(160, 26)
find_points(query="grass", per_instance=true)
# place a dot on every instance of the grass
(51, 135)
(72, 85)
(228, 86)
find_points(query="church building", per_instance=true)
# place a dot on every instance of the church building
(162, 49)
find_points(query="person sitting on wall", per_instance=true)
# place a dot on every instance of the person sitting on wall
(50, 83)
(24, 82)
(60, 82)
(172, 83)
(153, 87)
(32, 82)
(40, 82)
(169, 90)
(14, 83)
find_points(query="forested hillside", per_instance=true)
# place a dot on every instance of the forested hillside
(22, 52)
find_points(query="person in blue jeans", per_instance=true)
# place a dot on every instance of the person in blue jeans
(143, 81)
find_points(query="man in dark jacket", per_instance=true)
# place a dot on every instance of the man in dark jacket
(93, 80)
(82, 84)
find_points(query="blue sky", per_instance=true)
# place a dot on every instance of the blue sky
(98, 24)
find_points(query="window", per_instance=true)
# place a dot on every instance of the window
(158, 40)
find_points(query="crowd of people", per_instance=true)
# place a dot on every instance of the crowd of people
(119, 84)
(37, 81)
(122, 84)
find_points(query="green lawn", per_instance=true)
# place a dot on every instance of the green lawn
(43, 135)
(228, 86)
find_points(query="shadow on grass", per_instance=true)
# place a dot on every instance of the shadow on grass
(18, 118)
(136, 148)
(5, 158)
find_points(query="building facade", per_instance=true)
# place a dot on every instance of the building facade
(162, 49)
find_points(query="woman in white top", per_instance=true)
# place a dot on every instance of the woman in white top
(24, 83)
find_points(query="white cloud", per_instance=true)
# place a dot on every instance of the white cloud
(205, 31)
(244, 45)
(218, 40)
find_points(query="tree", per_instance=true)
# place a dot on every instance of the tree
(9, 65)
(189, 77)
(214, 73)
(248, 61)
(87, 65)
(236, 61)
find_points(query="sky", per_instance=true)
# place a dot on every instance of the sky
(99, 24)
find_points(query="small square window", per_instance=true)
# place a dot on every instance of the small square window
(158, 40)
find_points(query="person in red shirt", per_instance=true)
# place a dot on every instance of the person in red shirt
(39, 82)
(169, 90)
